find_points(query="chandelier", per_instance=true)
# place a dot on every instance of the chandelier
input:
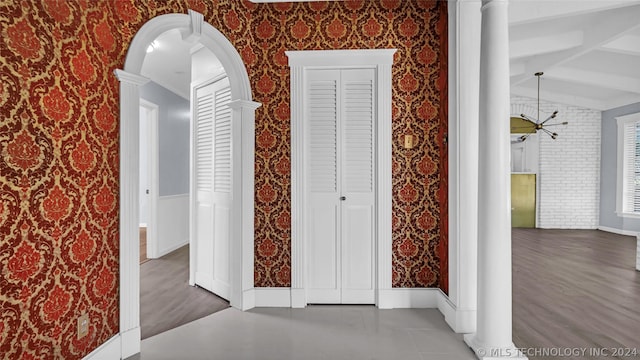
(535, 125)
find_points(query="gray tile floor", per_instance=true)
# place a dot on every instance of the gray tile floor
(331, 332)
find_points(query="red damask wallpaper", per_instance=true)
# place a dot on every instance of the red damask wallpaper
(59, 147)
(58, 177)
(418, 29)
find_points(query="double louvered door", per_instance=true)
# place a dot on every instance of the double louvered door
(340, 185)
(212, 183)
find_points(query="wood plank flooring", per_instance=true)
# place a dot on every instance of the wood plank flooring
(575, 289)
(166, 299)
(143, 245)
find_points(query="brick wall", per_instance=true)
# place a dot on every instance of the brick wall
(569, 171)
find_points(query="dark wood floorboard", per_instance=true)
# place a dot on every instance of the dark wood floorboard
(166, 299)
(575, 289)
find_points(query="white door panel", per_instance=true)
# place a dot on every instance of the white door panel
(203, 151)
(212, 151)
(222, 189)
(340, 121)
(323, 253)
(221, 252)
(358, 259)
(204, 230)
(358, 186)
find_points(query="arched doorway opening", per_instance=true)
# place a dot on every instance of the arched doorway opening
(196, 30)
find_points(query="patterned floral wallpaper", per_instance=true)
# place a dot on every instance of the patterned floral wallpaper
(418, 29)
(58, 177)
(59, 147)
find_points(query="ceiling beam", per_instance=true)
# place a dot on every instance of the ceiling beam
(621, 101)
(527, 11)
(558, 98)
(610, 25)
(627, 44)
(595, 78)
(545, 44)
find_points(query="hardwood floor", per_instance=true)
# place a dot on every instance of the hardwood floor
(575, 289)
(166, 299)
(143, 245)
(571, 289)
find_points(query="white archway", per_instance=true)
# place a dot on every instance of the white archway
(195, 30)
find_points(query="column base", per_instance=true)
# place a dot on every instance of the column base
(486, 352)
(298, 298)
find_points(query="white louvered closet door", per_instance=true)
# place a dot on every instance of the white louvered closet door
(340, 188)
(212, 151)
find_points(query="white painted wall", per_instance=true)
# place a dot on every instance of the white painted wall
(173, 223)
(609, 219)
(569, 171)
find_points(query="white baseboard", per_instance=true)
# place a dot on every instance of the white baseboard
(395, 298)
(173, 224)
(618, 231)
(248, 299)
(408, 298)
(272, 297)
(110, 350)
(173, 247)
(130, 342)
(462, 321)
(298, 298)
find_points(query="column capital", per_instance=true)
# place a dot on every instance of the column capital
(244, 104)
(490, 3)
(129, 78)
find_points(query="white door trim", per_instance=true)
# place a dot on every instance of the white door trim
(152, 142)
(381, 60)
(194, 29)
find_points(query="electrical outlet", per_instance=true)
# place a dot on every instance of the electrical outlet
(83, 325)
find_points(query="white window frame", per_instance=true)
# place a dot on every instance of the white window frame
(623, 121)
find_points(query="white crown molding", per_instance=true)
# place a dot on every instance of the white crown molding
(338, 58)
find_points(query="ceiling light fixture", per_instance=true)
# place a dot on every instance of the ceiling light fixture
(535, 124)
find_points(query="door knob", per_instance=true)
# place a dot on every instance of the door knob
(343, 198)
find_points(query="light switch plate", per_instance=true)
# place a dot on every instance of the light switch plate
(408, 141)
(83, 325)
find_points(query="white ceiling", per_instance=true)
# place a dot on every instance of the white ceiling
(588, 50)
(169, 64)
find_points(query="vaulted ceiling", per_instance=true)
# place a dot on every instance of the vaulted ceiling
(589, 51)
